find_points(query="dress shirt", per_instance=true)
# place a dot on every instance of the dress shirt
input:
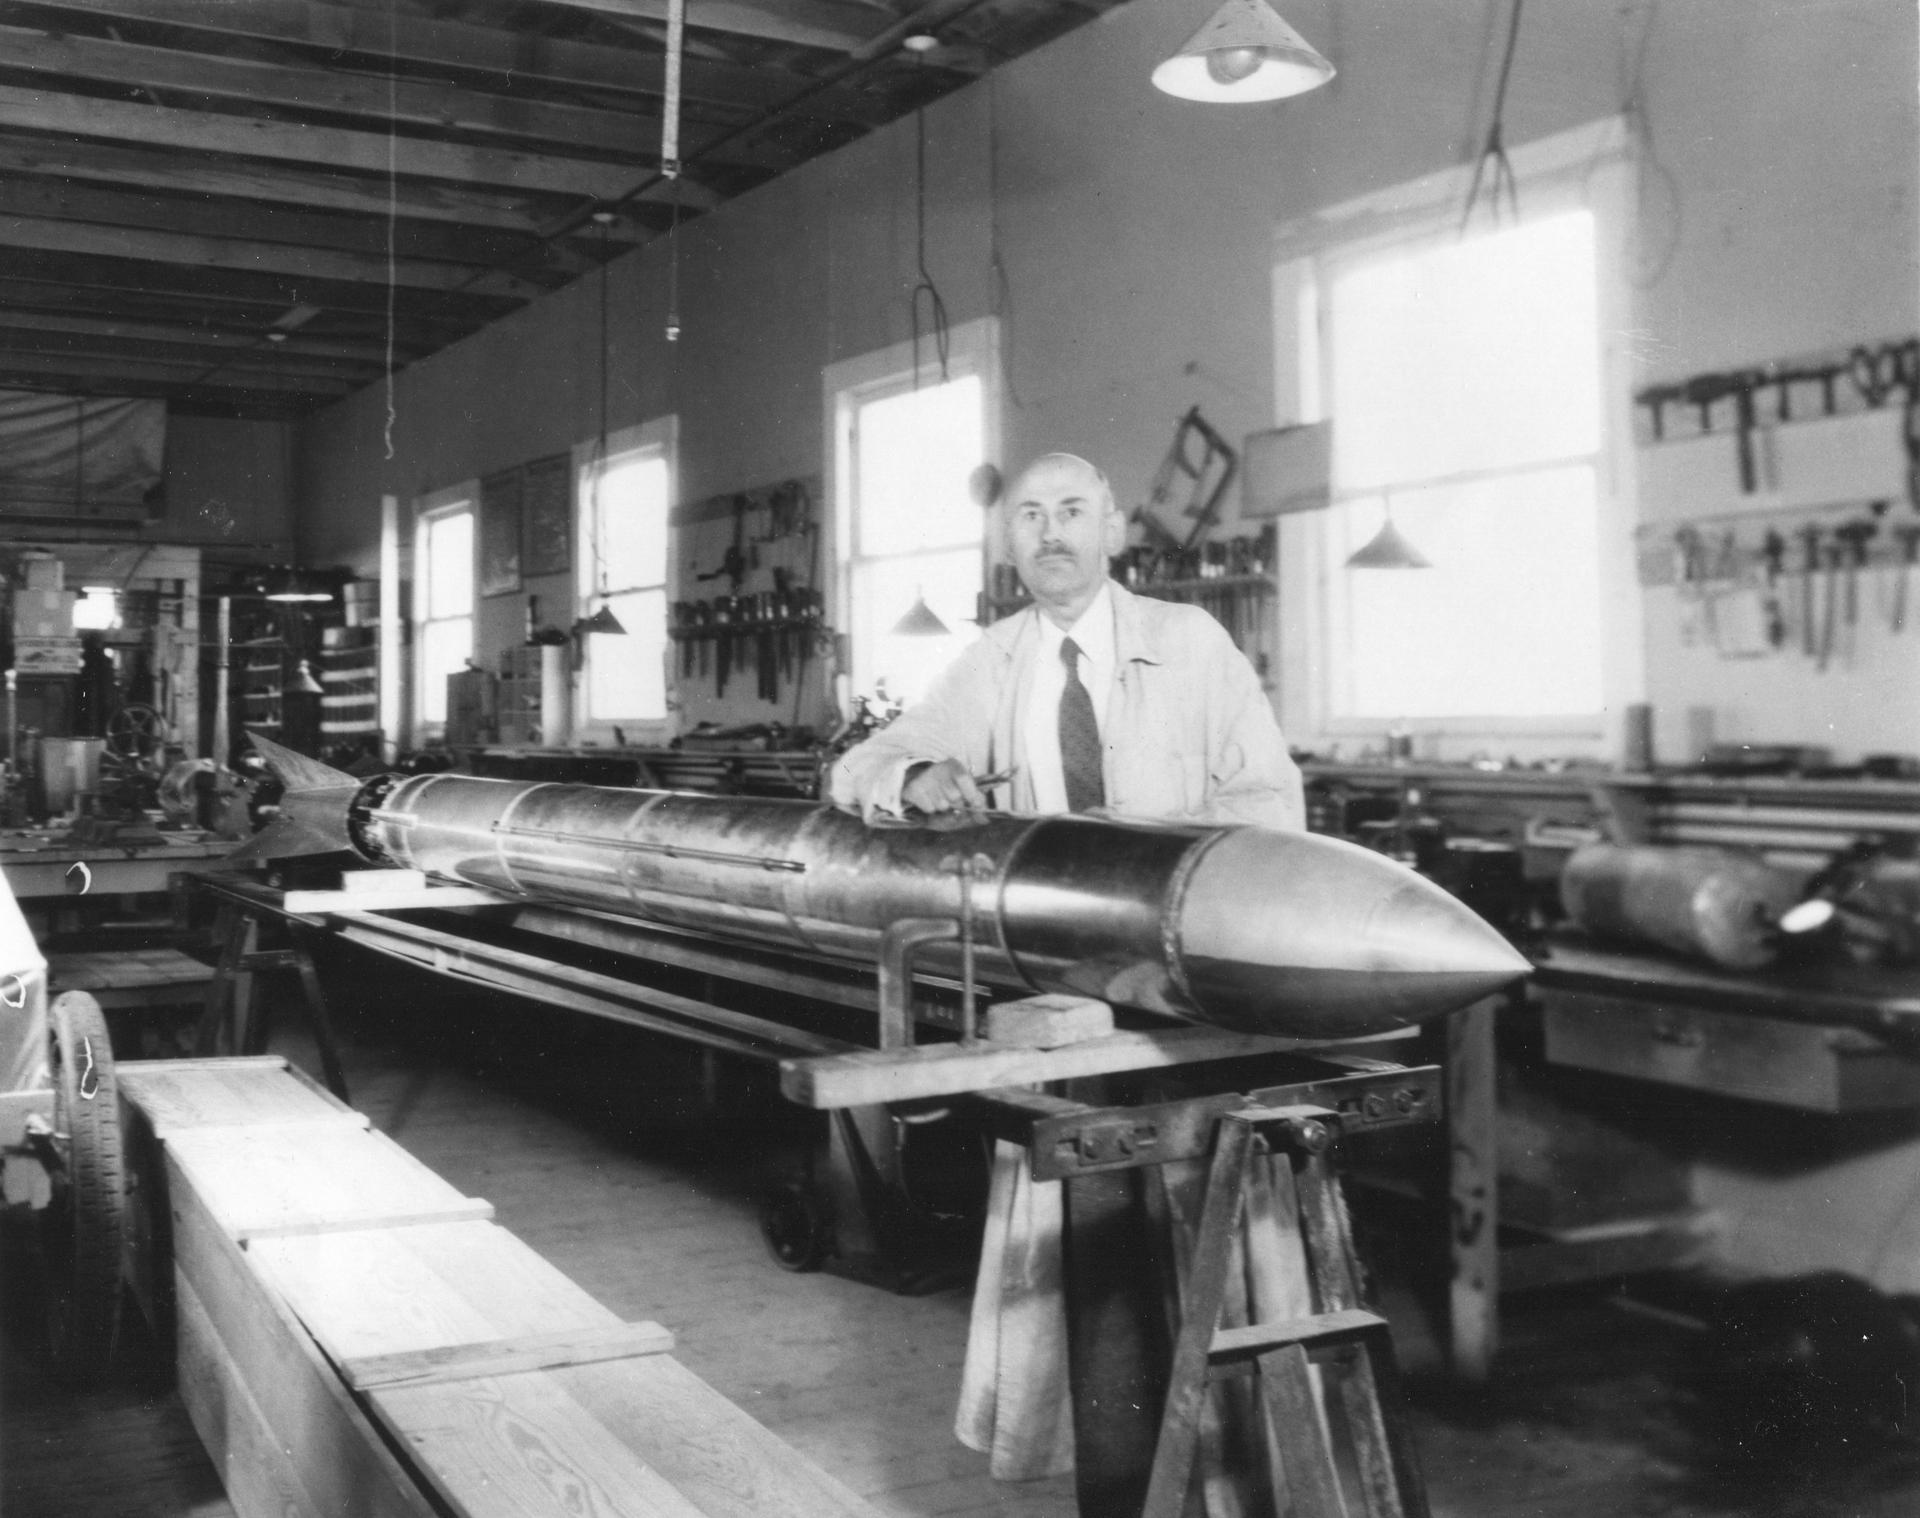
(1041, 721)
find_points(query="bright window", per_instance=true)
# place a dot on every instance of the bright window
(1476, 373)
(444, 599)
(625, 501)
(916, 531)
(1465, 396)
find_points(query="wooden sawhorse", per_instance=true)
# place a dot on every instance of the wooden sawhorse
(243, 919)
(1272, 1245)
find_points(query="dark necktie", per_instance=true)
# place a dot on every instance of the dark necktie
(1079, 738)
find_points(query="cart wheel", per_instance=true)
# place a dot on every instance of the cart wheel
(794, 1223)
(81, 1228)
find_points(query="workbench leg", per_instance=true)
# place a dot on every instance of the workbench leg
(1474, 1180)
(1118, 1356)
(322, 1019)
(229, 1000)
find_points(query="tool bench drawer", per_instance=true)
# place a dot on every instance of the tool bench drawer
(1811, 1066)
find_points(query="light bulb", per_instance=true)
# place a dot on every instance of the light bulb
(1229, 65)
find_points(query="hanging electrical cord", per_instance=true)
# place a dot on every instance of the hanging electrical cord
(393, 208)
(1494, 150)
(670, 158)
(936, 307)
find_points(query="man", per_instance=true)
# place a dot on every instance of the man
(1094, 699)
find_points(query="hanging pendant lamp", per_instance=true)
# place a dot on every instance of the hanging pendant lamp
(920, 621)
(1388, 549)
(1245, 52)
(602, 621)
(303, 682)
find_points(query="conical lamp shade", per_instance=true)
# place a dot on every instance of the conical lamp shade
(920, 622)
(1388, 549)
(303, 681)
(602, 621)
(1245, 52)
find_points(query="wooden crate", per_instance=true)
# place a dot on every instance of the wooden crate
(337, 1302)
(1811, 1066)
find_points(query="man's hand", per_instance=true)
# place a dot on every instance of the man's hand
(943, 787)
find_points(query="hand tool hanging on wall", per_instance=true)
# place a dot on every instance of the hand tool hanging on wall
(1773, 552)
(1854, 538)
(1810, 536)
(736, 561)
(1909, 540)
(1836, 552)
(723, 610)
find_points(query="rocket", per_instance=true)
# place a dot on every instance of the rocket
(1294, 935)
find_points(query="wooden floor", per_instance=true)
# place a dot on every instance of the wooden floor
(594, 1149)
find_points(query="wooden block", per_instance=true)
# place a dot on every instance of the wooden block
(398, 1291)
(1047, 1022)
(331, 1175)
(869, 1077)
(179, 1095)
(260, 1476)
(506, 1357)
(306, 1409)
(306, 903)
(383, 881)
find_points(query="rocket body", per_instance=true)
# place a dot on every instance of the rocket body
(1248, 928)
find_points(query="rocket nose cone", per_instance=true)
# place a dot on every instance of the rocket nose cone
(1302, 936)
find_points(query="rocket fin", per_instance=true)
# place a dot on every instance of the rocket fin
(299, 773)
(285, 838)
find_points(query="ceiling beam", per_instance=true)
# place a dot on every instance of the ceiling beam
(314, 147)
(90, 240)
(632, 135)
(805, 23)
(245, 219)
(414, 41)
(124, 370)
(114, 329)
(141, 168)
(268, 360)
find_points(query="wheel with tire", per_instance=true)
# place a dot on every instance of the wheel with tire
(794, 1222)
(82, 1228)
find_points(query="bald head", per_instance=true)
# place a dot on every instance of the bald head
(1062, 527)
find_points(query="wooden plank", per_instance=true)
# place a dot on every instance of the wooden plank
(341, 1458)
(327, 1174)
(472, 1210)
(505, 1357)
(508, 55)
(402, 900)
(871, 1076)
(98, 241)
(805, 23)
(180, 1095)
(491, 1448)
(316, 147)
(369, 1293)
(141, 168)
(414, 102)
(257, 1469)
(607, 1424)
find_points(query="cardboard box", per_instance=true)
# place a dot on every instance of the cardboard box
(46, 656)
(42, 614)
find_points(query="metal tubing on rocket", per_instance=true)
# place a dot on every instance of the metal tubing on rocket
(1290, 934)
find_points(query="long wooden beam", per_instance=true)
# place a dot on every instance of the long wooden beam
(239, 364)
(46, 365)
(324, 148)
(801, 22)
(84, 301)
(633, 136)
(53, 199)
(416, 42)
(90, 240)
(114, 329)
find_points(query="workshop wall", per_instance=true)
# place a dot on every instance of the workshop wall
(229, 483)
(1123, 239)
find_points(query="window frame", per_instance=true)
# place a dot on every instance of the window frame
(973, 349)
(1588, 167)
(454, 500)
(660, 436)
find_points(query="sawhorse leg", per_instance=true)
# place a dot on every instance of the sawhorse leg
(230, 1007)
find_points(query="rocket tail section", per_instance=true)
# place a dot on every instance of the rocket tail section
(313, 812)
